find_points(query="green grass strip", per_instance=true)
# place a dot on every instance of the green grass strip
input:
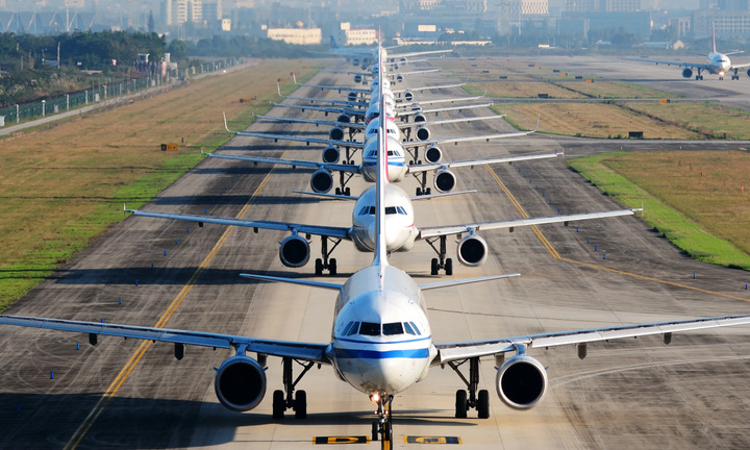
(669, 222)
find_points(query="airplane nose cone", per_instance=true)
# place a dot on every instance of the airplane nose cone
(392, 236)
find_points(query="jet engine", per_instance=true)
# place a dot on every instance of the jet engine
(419, 117)
(444, 181)
(748, 72)
(403, 60)
(423, 133)
(408, 96)
(331, 155)
(472, 251)
(240, 383)
(687, 72)
(399, 78)
(521, 382)
(433, 154)
(294, 251)
(358, 78)
(344, 118)
(321, 181)
(352, 97)
(336, 134)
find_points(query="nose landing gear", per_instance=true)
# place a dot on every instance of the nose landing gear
(382, 428)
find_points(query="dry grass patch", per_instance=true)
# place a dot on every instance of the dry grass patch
(590, 120)
(63, 186)
(708, 119)
(520, 89)
(607, 89)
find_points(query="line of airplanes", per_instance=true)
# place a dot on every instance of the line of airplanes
(381, 340)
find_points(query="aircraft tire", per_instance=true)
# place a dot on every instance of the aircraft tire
(374, 430)
(449, 266)
(300, 404)
(332, 266)
(347, 192)
(278, 405)
(483, 404)
(318, 267)
(461, 404)
(434, 266)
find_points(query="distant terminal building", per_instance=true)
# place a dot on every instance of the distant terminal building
(589, 6)
(299, 36)
(356, 36)
(734, 25)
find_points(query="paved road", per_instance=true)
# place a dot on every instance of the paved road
(632, 394)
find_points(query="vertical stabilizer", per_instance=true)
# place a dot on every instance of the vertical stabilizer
(713, 37)
(382, 161)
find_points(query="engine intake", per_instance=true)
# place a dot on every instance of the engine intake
(321, 181)
(240, 383)
(336, 134)
(521, 382)
(423, 133)
(344, 118)
(294, 251)
(358, 78)
(419, 117)
(433, 154)
(444, 181)
(331, 155)
(687, 73)
(472, 251)
(408, 96)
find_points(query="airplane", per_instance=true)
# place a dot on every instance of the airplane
(717, 63)
(381, 342)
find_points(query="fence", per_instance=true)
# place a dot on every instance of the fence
(96, 94)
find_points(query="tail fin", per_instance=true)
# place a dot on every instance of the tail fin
(713, 34)
(334, 44)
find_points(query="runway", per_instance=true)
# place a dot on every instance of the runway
(636, 393)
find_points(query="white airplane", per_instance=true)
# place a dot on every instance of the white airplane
(381, 342)
(716, 64)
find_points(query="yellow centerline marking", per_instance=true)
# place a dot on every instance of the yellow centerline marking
(557, 256)
(90, 419)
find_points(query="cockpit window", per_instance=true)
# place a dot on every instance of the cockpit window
(369, 329)
(416, 329)
(390, 210)
(389, 329)
(351, 328)
(408, 328)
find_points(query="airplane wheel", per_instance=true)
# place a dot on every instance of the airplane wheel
(419, 192)
(449, 266)
(428, 191)
(461, 405)
(434, 266)
(388, 435)
(332, 267)
(338, 191)
(278, 405)
(348, 192)
(300, 404)
(374, 431)
(483, 404)
(318, 266)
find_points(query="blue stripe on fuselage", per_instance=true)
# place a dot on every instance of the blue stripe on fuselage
(415, 353)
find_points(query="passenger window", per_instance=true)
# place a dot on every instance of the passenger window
(408, 328)
(390, 329)
(369, 329)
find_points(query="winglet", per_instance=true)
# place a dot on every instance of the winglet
(225, 122)
(278, 89)
(294, 77)
(538, 120)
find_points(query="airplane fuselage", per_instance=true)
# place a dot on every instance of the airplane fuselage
(396, 164)
(381, 341)
(400, 232)
(719, 62)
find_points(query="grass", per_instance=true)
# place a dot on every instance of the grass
(707, 119)
(62, 187)
(694, 199)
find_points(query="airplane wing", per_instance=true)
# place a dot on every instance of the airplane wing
(298, 350)
(339, 232)
(287, 137)
(436, 110)
(334, 110)
(427, 88)
(339, 88)
(333, 123)
(671, 63)
(464, 350)
(429, 232)
(291, 162)
(740, 66)
(417, 168)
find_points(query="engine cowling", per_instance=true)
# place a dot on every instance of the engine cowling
(433, 154)
(472, 251)
(408, 96)
(321, 181)
(294, 251)
(748, 72)
(521, 382)
(358, 78)
(403, 60)
(444, 181)
(687, 73)
(240, 383)
(331, 155)
(352, 97)
(423, 133)
(336, 134)
(344, 118)
(419, 118)
(399, 78)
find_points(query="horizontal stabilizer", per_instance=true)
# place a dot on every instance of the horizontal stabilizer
(318, 284)
(448, 283)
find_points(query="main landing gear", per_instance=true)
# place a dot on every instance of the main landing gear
(325, 263)
(480, 400)
(382, 428)
(293, 400)
(441, 262)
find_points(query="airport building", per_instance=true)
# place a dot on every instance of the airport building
(734, 25)
(299, 36)
(356, 36)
